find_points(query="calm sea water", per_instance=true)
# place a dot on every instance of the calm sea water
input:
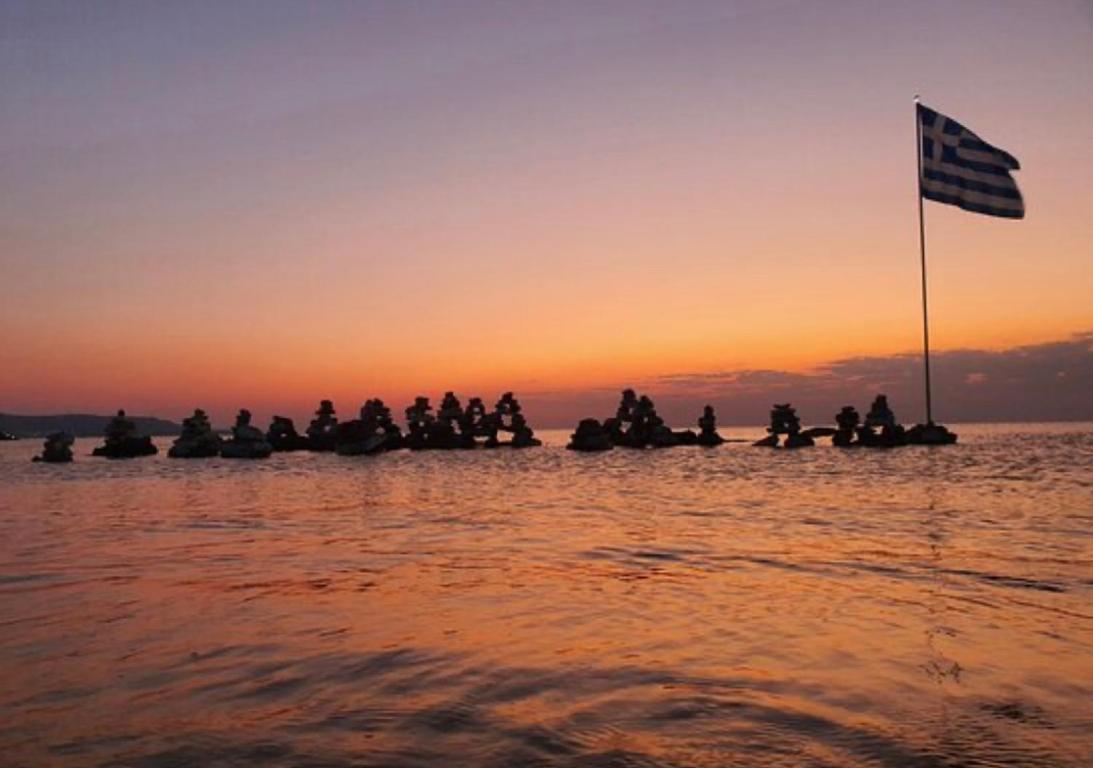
(689, 607)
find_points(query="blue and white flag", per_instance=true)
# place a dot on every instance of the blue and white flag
(961, 169)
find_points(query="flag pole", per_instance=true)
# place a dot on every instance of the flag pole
(922, 259)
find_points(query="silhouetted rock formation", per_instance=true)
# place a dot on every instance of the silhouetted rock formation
(930, 434)
(474, 423)
(881, 417)
(508, 417)
(847, 421)
(456, 427)
(123, 442)
(590, 436)
(283, 437)
(636, 424)
(57, 448)
(784, 421)
(6, 436)
(617, 426)
(197, 440)
(321, 432)
(246, 442)
(646, 427)
(522, 434)
(451, 411)
(373, 432)
(419, 422)
(707, 426)
(441, 433)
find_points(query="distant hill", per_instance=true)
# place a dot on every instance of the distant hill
(80, 425)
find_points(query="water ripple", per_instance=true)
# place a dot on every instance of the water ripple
(636, 609)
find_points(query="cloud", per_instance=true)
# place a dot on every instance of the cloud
(1040, 382)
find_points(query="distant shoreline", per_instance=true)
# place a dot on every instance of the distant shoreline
(81, 425)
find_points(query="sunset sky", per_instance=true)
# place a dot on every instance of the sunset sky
(261, 204)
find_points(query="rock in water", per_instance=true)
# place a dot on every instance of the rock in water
(891, 433)
(880, 415)
(784, 421)
(798, 441)
(57, 448)
(321, 432)
(373, 432)
(590, 437)
(419, 424)
(522, 434)
(246, 442)
(707, 428)
(282, 435)
(197, 441)
(930, 434)
(847, 421)
(123, 442)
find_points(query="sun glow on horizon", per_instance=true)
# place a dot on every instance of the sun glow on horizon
(388, 203)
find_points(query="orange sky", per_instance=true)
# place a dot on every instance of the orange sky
(267, 210)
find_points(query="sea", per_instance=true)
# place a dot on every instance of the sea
(734, 606)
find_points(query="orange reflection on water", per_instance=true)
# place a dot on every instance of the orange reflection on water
(686, 606)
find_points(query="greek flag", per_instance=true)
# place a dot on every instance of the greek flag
(961, 169)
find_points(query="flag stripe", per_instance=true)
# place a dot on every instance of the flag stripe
(936, 190)
(971, 141)
(956, 157)
(962, 202)
(994, 188)
(979, 156)
(1003, 179)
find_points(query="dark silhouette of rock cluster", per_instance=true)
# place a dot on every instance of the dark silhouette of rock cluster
(590, 437)
(246, 442)
(282, 435)
(880, 429)
(454, 426)
(57, 448)
(197, 441)
(846, 430)
(123, 442)
(636, 424)
(373, 432)
(784, 421)
(707, 428)
(322, 432)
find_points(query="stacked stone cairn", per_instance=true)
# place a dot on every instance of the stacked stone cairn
(419, 423)
(636, 424)
(590, 437)
(322, 431)
(784, 421)
(880, 428)
(122, 440)
(283, 437)
(57, 448)
(373, 432)
(456, 427)
(707, 428)
(508, 417)
(847, 421)
(246, 442)
(197, 440)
